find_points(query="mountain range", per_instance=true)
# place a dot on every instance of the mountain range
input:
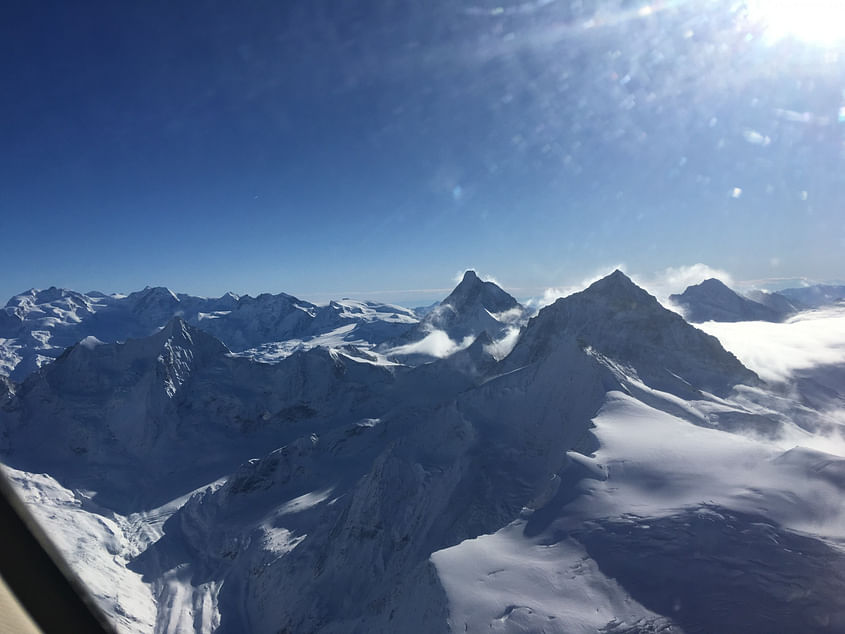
(36, 326)
(268, 465)
(712, 300)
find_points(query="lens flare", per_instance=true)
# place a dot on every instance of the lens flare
(819, 22)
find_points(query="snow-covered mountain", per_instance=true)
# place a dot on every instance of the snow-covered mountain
(273, 331)
(619, 320)
(472, 308)
(37, 326)
(713, 301)
(613, 468)
(130, 412)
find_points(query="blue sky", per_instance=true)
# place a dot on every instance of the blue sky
(323, 148)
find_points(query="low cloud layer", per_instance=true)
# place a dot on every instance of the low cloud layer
(776, 351)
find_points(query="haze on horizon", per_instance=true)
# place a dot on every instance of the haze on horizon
(375, 148)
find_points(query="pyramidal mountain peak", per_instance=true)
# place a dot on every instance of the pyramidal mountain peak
(618, 275)
(613, 295)
(469, 278)
(617, 285)
(473, 307)
(178, 333)
(177, 329)
(618, 319)
(472, 289)
(713, 300)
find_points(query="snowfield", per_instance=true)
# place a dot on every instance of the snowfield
(602, 467)
(97, 543)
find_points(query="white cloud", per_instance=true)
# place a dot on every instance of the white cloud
(533, 304)
(776, 351)
(795, 117)
(501, 348)
(435, 344)
(512, 316)
(756, 138)
(675, 279)
(549, 296)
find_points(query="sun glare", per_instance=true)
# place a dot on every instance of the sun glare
(814, 21)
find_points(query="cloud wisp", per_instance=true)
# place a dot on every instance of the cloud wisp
(675, 279)
(551, 294)
(501, 348)
(435, 344)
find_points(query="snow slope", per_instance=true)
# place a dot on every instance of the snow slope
(673, 527)
(116, 411)
(97, 544)
(618, 470)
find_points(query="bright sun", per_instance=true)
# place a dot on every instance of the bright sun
(814, 21)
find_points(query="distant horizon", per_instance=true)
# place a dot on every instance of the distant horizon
(525, 295)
